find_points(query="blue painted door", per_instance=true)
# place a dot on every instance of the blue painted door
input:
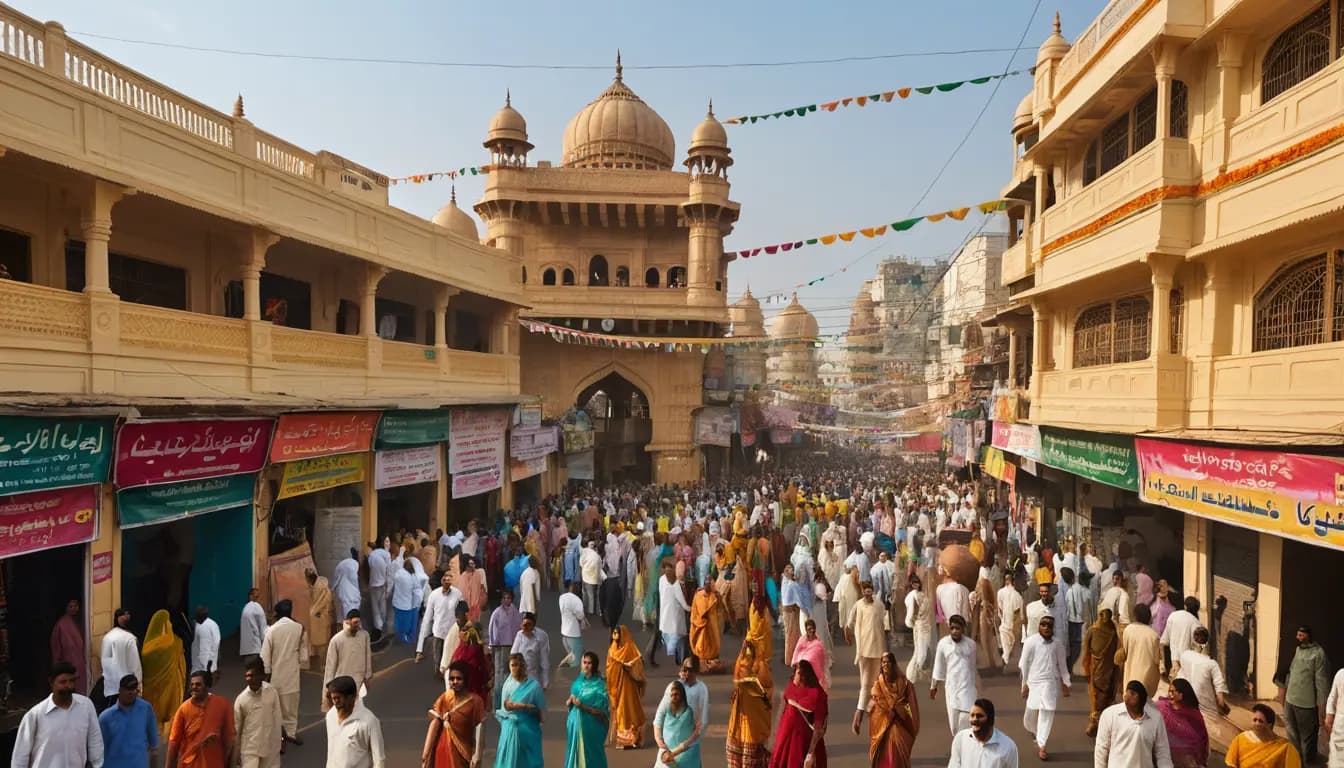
(222, 573)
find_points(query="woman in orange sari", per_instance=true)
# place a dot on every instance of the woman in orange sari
(894, 713)
(453, 738)
(707, 627)
(750, 711)
(625, 686)
(165, 669)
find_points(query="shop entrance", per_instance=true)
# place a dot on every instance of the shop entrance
(294, 520)
(36, 590)
(178, 565)
(620, 414)
(406, 508)
(1304, 566)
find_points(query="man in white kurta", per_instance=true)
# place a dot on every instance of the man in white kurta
(1010, 618)
(350, 653)
(1179, 631)
(867, 622)
(345, 584)
(1045, 674)
(919, 618)
(1132, 734)
(953, 599)
(672, 615)
(954, 666)
(284, 651)
(1117, 600)
(257, 716)
(120, 656)
(251, 627)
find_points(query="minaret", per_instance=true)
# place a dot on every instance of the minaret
(708, 211)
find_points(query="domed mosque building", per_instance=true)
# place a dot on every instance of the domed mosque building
(616, 241)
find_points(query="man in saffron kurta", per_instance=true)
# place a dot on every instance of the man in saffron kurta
(707, 627)
(319, 615)
(471, 583)
(202, 732)
(67, 644)
(453, 740)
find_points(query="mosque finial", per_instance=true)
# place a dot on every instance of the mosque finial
(508, 98)
(711, 108)
(238, 107)
(1057, 22)
(453, 197)
(618, 65)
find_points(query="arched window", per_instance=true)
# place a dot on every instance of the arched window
(622, 276)
(567, 277)
(1092, 337)
(651, 277)
(1299, 52)
(1133, 329)
(548, 276)
(597, 270)
(1303, 303)
(1113, 333)
(676, 277)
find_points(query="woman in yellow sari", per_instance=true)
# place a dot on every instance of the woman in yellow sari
(760, 631)
(749, 713)
(165, 669)
(707, 627)
(1261, 747)
(625, 687)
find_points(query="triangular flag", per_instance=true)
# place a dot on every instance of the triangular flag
(776, 114)
(744, 254)
(888, 96)
(812, 241)
(811, 107)
(901, 226)
(788, 113)
(845, 102)
(925, 90)
(945, 87)
(867, 232)
(847, 236)
(830, 106)
(936, 216)
(798, 244)
(875, 97)
(755, 251)
(989, 207)
(731, 121)
(882, 230)
(827, 239)
(771, 249)
(786, 247)
(959, 213)
(903, 92)
(983, 80)
(754, 118)
(861, 100)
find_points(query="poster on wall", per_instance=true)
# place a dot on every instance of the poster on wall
(714, 426)
(413, 427)
(30, 522)
(313, 475)
(477, 482)
(1106, 458)
(476, 440)
(1291, 495)
(39, 453)
(533, 442)
(306, 435)
(521, 469)
(1021, 439)
(150, 452)
(406, 466)
(580, 465)
(151, 504)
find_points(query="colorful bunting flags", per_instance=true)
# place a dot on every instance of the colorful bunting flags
(421, 178)
(663, 343)
(884, 97)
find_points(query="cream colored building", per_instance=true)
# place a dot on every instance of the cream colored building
(614, 240)
(162, 259)
(793, 360)
(1178, 262)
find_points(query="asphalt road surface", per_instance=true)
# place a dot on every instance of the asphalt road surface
(403, 691)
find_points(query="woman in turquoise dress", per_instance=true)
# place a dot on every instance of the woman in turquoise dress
(520, 719)
(675, 731)
(586, 726)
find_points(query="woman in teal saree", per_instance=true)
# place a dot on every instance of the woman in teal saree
(586, 726)
(520, 719)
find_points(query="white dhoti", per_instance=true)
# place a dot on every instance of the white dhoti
(1039, 717)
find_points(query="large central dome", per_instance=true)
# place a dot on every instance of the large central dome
(618, 130)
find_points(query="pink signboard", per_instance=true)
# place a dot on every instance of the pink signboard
(151, 452)
(480, 481)
(1021, 439)
(30, 522)
(102, 567)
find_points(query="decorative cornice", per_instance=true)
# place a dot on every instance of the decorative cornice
(1115, 36)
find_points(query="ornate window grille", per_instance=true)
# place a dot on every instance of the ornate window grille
(1134, 130)
(1145, 121)
(1299, 52)
(1115, 143)
(1092, 337)
(1133, 329)
(1090, 173)
(1177, 327)
(1180, 110)
(1302, 304)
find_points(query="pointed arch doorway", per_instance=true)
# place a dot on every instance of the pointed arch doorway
(622, 426)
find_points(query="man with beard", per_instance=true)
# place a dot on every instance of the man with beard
(954, 666)
(1048, 605)
(1304, 692)
(1045, 671)
(351, 654)
(982, 745)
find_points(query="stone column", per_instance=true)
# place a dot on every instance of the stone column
(1163, 268)
(258, 331)
(104, 305)
(1231, 51)
(443, 295)
(368, 319)
(1164, 66)
(1012, 358)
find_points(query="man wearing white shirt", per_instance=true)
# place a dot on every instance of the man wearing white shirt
(205, 645)
(379, 561)
(345, 582)
(1117, 600)
(1333, 702)
(1206, 679)
(953, 598)
(1045, 675)
(1048, 605)
(954, 665)
(572, 622)
(982, 745)
(529, 587)
(919, 618)
(590, 572)
(61, 731)
(251, 627)
(284, 651)
(439, 619)
(1131, 734)
(354, 735)
(672, 611)
(1179, 631)
(120, 656)
(1010, 618)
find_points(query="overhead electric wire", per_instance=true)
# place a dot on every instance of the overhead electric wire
(558, 67)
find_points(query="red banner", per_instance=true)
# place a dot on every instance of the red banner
(305, 435)
(30, 522)
(150, 452)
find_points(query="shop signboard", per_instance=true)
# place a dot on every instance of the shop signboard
(1020, 439)
(714, 426)
(406, 466)
(521, 469)
(308, 435)
(151, 504)
(321, 473)
(529, 416)
(40, 453)
(413, 427)
(998, 467)
(578, 440)
(477, 482)
(477, 440)
(580, 465)
(100, 567)
(527, 443)
(1108, 459)
(1290, 495)
(30, 522)
(152, 452)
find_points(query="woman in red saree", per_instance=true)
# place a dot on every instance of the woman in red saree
(471, 652)
(894, 717)
(801, 733)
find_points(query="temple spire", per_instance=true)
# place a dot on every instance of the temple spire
(618, 65)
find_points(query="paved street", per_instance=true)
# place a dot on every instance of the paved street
(403, 691)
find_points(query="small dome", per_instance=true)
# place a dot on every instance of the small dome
(618, 130)
(457, 221)
(746, 316)
(1054, 47)
(795, 322)
(1022, 118)
(709, 134)
(507, 125)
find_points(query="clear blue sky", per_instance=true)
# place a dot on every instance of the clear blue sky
(795, 178)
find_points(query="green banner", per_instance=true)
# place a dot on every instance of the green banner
(1106, 458)
(149, 504)
(40, 454)
(407, 428)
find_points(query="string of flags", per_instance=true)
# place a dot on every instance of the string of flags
(421, 178)
(884, 97)
(657, 343)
